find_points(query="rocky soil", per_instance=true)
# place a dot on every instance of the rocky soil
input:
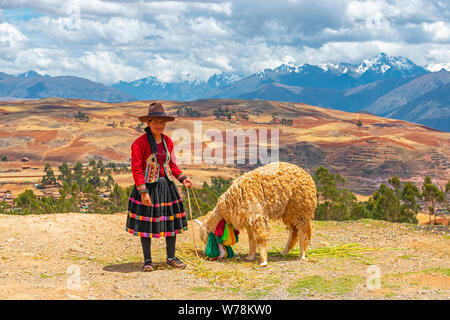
(90, 256)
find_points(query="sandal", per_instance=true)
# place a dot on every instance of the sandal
(148, 266)
(176, 263)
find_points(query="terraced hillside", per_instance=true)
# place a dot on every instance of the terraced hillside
(363, 148)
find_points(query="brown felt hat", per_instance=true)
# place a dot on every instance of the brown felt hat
(156, 111)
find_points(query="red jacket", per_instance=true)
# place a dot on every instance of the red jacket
(140, 151)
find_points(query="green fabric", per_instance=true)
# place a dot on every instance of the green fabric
(226, 234)
(212, 248)
(230, 252)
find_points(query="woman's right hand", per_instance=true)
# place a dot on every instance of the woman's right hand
(145, 199)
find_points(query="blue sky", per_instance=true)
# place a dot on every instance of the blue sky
(19, 14)
(108, 41)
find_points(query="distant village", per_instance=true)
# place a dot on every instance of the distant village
(52, 189)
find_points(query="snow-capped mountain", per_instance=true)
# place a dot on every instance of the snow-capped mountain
(385, 84)
(338, 76)
(32, 74)
(152, 88)
(222, 80)
(435, 67)
(338, 68)
(149, 81)
(382, 64)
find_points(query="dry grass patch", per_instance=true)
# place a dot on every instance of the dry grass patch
(346, 250)
(433, 278)
(319, 284)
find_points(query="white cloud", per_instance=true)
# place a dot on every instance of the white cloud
(114, 31)
(438, 31)
(40, 58)
(107, 67)
(12, 41)
(177, 40)
(207, 27)
(396, 10)
(11, 35)
(438, 54)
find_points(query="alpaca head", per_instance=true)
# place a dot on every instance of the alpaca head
(203, 232)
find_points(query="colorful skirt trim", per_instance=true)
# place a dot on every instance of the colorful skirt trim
(156, 235)
(152, 219)
(165, 217)
(164, 204)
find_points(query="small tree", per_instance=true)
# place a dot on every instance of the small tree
(65, 173)
(447, 190)
(395, 182)
(88, 189)
(49, 177)
(409, 207)
(338, 203)
(4, 207)
(78, 175)
(94, 177)
(27, 201)
(432, 197)
(384, 204)
(109, 182)
(119, 198)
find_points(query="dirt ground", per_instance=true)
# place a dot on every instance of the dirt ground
(90, 256)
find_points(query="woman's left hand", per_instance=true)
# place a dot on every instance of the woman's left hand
(187, 183)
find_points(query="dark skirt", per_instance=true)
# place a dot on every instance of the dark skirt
(165, 217)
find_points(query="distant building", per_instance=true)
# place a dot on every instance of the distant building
(5, 195)
(24, 159)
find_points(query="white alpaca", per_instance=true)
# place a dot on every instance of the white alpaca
(278, 190)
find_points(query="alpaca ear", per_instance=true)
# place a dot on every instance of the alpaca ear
(198, 221)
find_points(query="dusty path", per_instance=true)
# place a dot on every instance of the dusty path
(90, 256)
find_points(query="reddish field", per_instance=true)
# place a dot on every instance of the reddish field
(46, 130)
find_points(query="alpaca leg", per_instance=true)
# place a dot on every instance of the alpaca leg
(305, 237)
(293, 238)
(260, 231)
(263, 252)
(252, 246)
(262, 239)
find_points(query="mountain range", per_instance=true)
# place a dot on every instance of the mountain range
(393, 87)
(32, 85)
